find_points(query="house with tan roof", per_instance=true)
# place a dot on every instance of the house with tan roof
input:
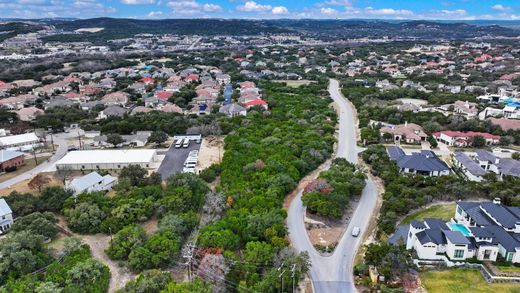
(408, 133)
(29, 113)
(115, 98)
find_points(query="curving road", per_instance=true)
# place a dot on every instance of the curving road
(333, 274)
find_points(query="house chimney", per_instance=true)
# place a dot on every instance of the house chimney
(496, 200)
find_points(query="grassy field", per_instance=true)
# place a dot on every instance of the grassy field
(295, 83)
(462, 281)
(29, 164)
(508, 268)
(440, 211)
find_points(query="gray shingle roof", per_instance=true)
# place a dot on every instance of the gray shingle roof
(436, 224)
(474, 211)
(480, 232)
(469, 164)
(456, 237)
(504, 238)
(509, 167)
(501, 214)
(421, 162)
(418, 225)
(395, 152)
(484, 155)
(431, 235)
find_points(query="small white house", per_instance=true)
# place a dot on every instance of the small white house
(6, 216)
(91, 182)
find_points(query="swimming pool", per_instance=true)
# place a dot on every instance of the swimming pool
(459, 227)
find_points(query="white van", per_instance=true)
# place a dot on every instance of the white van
(355, 231)
(186, 143)
(178, 143)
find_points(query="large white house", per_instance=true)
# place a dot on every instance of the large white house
(107, 159)
(481, 230)
(91, 182)
(6, 216)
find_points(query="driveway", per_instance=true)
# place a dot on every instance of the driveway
(331, 274)
(59, 139)
(174, 159)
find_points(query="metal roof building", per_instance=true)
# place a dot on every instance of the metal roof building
(106, 159)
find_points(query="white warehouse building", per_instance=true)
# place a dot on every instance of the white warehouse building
(106, 159)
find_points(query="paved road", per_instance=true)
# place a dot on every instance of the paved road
(174, 159)
(59, 139)
(331, 274)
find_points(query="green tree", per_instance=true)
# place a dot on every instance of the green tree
(158, 137)
(478, 141)
(85, 218)
(37, 223)
(196, 286)
(150, 281)
(114, 139)
(125, 241)
(134, 173)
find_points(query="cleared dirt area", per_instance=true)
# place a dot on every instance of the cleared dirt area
(325, 232)
(22, 187)
(211, 152)
(295, 83)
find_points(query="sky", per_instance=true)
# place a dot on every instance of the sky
(265, 9)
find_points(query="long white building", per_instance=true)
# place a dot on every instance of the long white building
(106, 159)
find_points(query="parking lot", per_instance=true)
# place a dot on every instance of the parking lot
(174, 159)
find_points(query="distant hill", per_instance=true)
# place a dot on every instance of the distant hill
(332, 29)
(11, 29)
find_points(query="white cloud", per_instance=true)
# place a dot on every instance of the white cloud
(500, 7)
(155, 14)
(183, 4)
(252, 6)
(210, 7)
(279, 10)
(388, 12)
(137, 2)
(328, 11)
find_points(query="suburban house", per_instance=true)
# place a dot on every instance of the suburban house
(409, 133)
(232, 110)
(20, 142)
(471, 169)
(115, 98)
(466, 108)
(112, 111)
(91, 182)
(422, 163)
(481, 230)
(10, 160)
(464, 139)
(28, 114)
(6, 216)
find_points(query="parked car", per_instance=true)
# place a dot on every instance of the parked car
(355, 231)
(178, 143)
(186, 143)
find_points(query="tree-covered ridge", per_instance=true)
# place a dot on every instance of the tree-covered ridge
(264, 160)
(330, 194)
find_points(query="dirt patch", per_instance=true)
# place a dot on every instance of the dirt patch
(22, 187)
(211, 152)
(326, 232)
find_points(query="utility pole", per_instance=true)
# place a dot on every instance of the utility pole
(188, 255)
(79, 138)
(293, 269)
(34, 155)
(281, 276)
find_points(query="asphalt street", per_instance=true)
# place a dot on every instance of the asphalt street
(331, 274)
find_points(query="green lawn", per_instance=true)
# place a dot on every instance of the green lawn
(462, 281)
(508, 268)
(440, 211)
